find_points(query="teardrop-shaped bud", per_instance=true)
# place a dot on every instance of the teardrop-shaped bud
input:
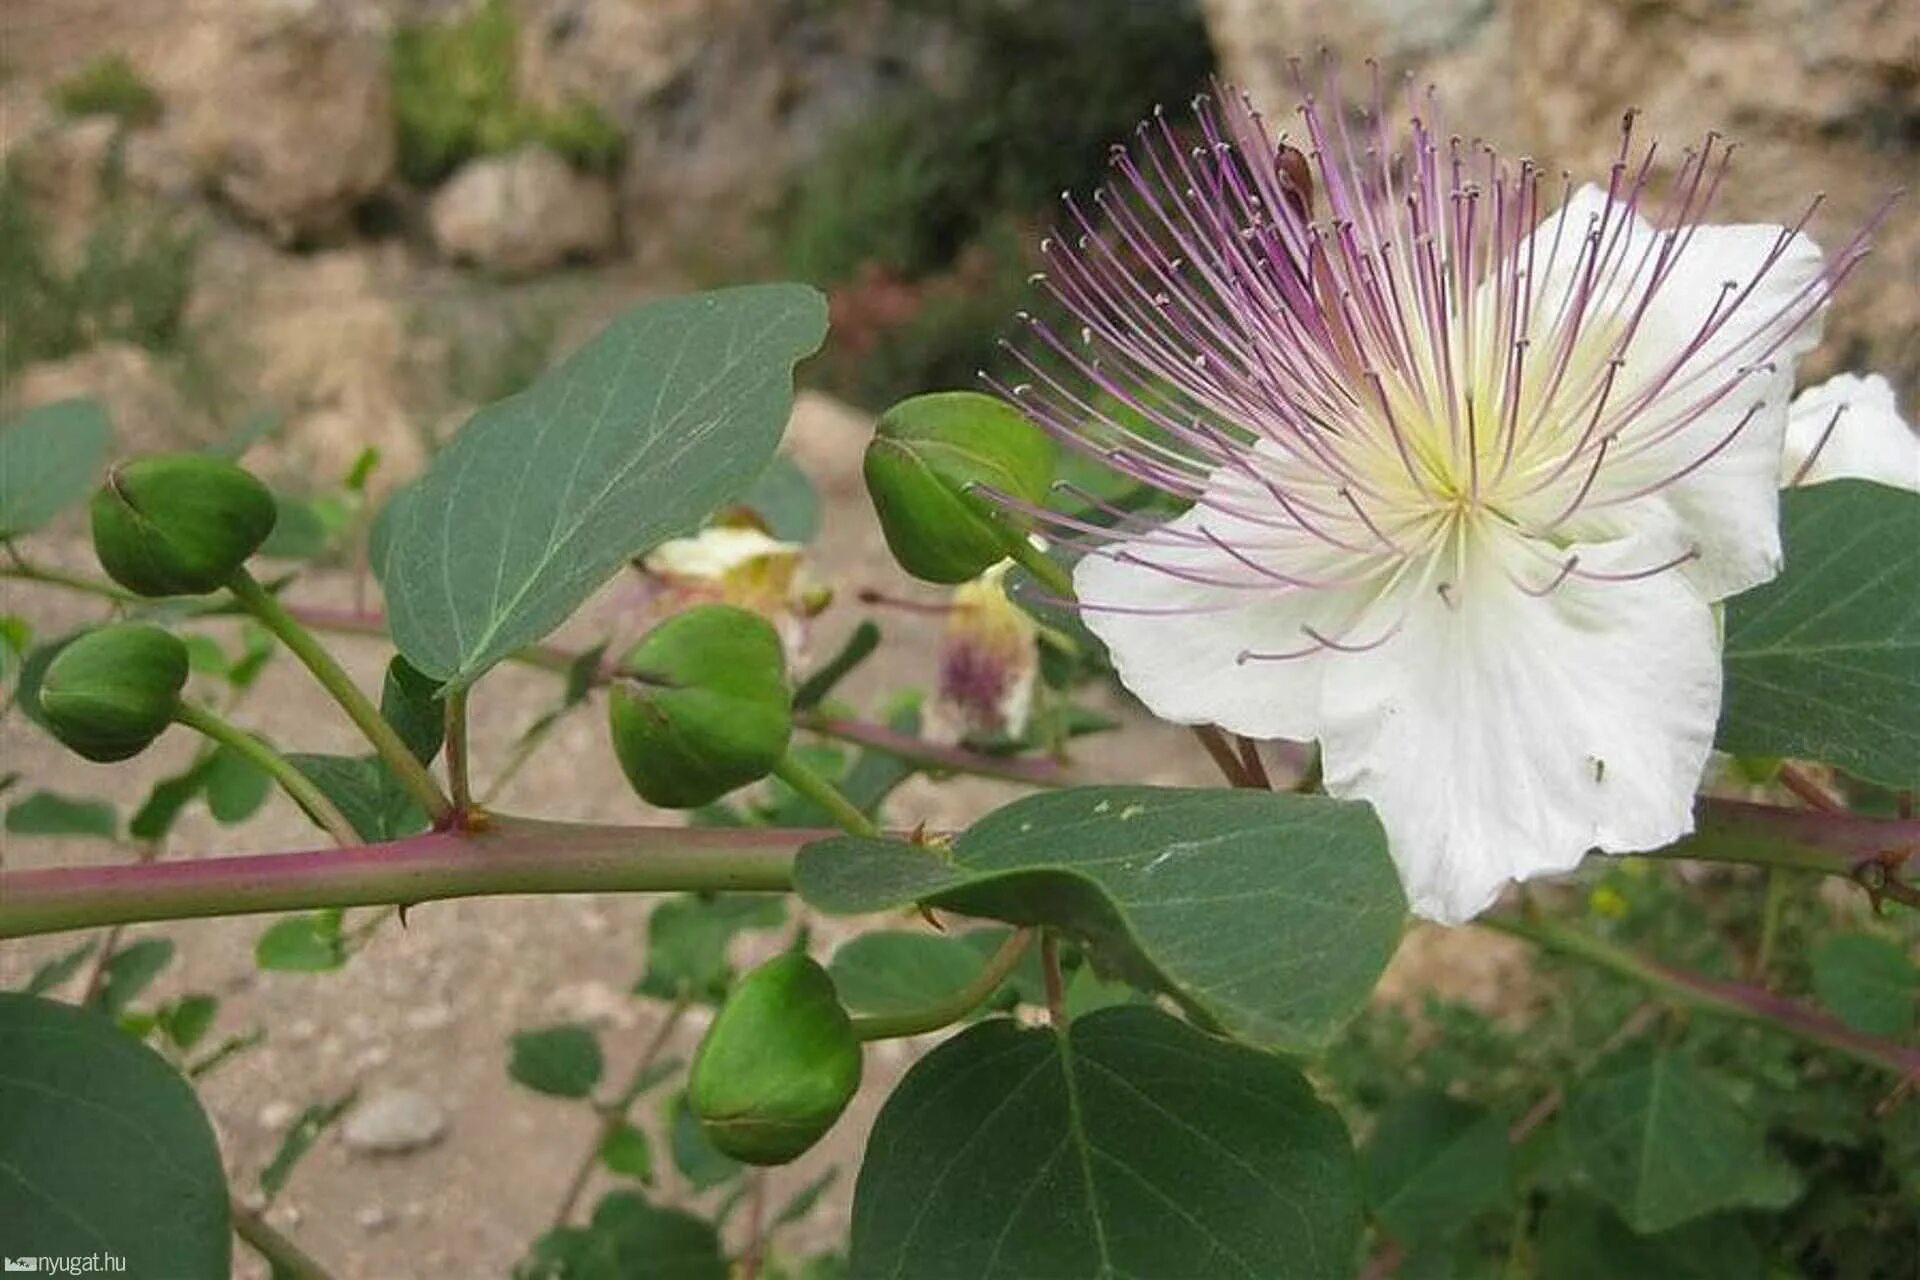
(176, 524)
(110, 692)
(778, 1065)
(701, 706)
(929, 458)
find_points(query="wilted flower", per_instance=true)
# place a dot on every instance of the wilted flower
(1462, 482)
(989, 658)
(1850, 427)
(736, 564)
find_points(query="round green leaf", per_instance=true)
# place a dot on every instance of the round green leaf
(1269, 915)
(104, 1148)
(1868, 982)
(563, 1061)
(1128, 1144)
(48, 461)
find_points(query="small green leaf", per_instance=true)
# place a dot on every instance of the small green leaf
(625, 1151)
(784, 500)
(1268, 915)
(860, 646)
(367, 794)
(49, 458)
(411, 704)
(671, 412)
(130, 971)
(300, 532)
(105, 1148)
(1128, 1144)
(563, 1060)
(687, 940)
(48, 813)
(698, 1161)
(804, 1199)
(310, 943)
(236, 787)
(898, 972)
(1868, 982)
(1087, 992)
(1582, 1240)
(52, 973)
(1663, 1143)
(1433, 1165)
(1823, 663)
(301, 1135)
(168, 799)
(628, 1237)
(186, 1021)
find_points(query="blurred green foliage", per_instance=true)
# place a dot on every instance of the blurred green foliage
(921, 211)
(456, 96)
(127, 282)
(107, 85)
(1854, 1144)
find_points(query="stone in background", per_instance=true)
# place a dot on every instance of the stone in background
(1819, 95)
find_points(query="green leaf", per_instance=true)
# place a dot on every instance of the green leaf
(784, 500)
(625, 1151)
(804, 1199)
(1433, 1165)
(49, 459)
(1867, 981)
(860, 646)
(898, 972)
(236, 787)
(300, 530)
(671, 412)
(1823, 663)
(48, 813)
(1663, 1143)
(168, 799)
(411, 704)
(367, 794)
(1128, 1144)
(1581, 1240)
(301, 1135)
(105, 1148)
(52, 973)
(309, 943)
(1087, 992)
(130, 971)
(698, 1160)
(628, 1238)
(1268, 915)
(563, 1060)
(186, 1021)
(687, 940)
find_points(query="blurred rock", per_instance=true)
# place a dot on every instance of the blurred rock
(146, 408)
(284, 107)
(523, 212)
(722, 100)
(326, 341)
(394, 1121)
(1818, 98)
(71, 170)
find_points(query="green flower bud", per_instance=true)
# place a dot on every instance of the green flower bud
(778, 1065)
(179, 523)
(926, 455)
(701, 706)
(112, 691)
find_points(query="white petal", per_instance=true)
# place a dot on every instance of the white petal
(1177, 644)
(1868, 441)
(1727, 506)
(1505, 738)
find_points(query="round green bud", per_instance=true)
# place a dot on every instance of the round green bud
(176, 524)
(701, 706)
(112, 691)
(928, 457)
(778, 1065)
